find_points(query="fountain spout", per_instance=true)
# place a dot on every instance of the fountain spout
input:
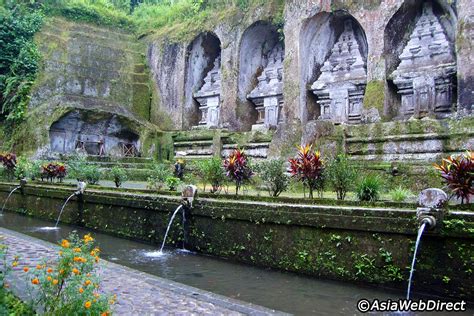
(188, 195)
(430, 212)
(81, 187)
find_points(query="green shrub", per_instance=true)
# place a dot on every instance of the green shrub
(119, 175)
(368, 189)
(23, 168)
(400, 194)
(77, 165)
(36, 168)
(272, 173)
(92, 174)
(211, 171)
(172, 183)
(158, 176)
(341, 175)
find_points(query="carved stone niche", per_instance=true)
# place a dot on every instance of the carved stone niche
(425, 75)
(268, 94)
(340, 87)
(208, 97)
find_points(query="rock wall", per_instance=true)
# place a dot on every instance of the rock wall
(382, 30)
(87, 69)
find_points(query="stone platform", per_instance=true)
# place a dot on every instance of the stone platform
(138, 293)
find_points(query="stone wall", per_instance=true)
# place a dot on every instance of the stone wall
(350, 243)
(381, 29)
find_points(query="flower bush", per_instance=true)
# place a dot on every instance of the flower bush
(272, 173)
(69, 285)
(237, 168)
(458, 174)
(53, 170)
(307, 167)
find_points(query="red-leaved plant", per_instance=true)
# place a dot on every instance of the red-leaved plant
(458, 174)
(8, 161)
(53, 170)
(237, 168)
(307, 167)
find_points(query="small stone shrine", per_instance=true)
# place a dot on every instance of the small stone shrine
(208, 97)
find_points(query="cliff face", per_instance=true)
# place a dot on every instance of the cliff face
(85, 70)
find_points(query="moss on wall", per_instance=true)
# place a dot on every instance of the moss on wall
(374, 96)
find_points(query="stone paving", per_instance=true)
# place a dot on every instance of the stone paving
(138, 293)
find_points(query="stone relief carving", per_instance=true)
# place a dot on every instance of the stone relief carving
(341, 85)
(268, 94)
(208, 96)
(425, 75)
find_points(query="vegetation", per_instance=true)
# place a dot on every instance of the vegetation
(53, 170)
(9, 162)
(369, 188)
(272, 173)
(23, 168)
(307, 168)
(119, 176)
(211, 171)
(238, 169)
(341, 175)
(400, 194)
(158, 176)
(172, 183)
(69, 285)
(458, 174)
(19, 58)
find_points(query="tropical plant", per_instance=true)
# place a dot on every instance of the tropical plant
(23, 168)
(307, 167)
(211, 171)
(458, 174)
(119, 175)
(172, 183)
(237, 168)
(368, 189)
(341, 175)
(69, 285)
(272, 172)
(53, 170)
(158, 175)
(77, 164)
(400, 194)
(9, 162)
(92, 174)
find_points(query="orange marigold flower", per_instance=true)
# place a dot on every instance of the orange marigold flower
(35, 281)
(111, 302)
(15, 263)
(77, 249)
(87, 304)
(49, 278)
(39, 266)
(77, 259)
(49, 270)
(105, 314)
(83, 260)
(87, 282)
(97, 249)
(96, 258)
(55, 281)
(81, 290)
(96, 295)
(88, 274)
(93, 253)
(61, 271)
(65, 243)
(26, 269)
(88, 238)
(75, 271)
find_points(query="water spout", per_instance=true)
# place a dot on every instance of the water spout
(169, 226)
(62, 208)
(81, 187)
(8, 197)
(418, 238)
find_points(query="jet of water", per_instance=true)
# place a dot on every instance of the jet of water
(62, 208)
(8, 197)
(169, 226)
(418, 238)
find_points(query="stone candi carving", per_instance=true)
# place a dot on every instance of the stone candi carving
(208, 96)
(341, 85)
(268, 94)
(424, 77)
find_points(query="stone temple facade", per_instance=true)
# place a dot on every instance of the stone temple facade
(268, 94)
(340, 88)
(208, 97)
(425, 75)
